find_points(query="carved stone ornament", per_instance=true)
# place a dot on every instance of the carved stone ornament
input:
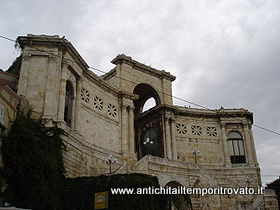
(65, 62)
(52, 59)
(112, 110)
(181, 128)
(85, 95)
(211, 131)
(196, 130)
(26, 58)
(98, 103)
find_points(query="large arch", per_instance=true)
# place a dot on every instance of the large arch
(148, 129)
(145, 92)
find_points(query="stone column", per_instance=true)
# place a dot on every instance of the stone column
(168, 144)
(173, 139)
(252, 143)
(248, 145)
(62, 92)
(24, 70)
(78, 104)
(225, 145)
(124, 129)
(131, 129)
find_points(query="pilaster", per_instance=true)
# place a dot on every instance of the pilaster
(225, 144)
(78, 104)
(173, 139)
(168, 144)
(131, 129)
(24, 70)
(50, 88)
(247, 139)
(62, 91)
(252, 144)
(125, 146)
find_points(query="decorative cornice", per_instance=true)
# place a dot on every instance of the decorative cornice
(12, 96)
(122, 58)
(220, 113)
(54, 41)
(90, 75)
(128, 95)
(109, 74)
(158, 109)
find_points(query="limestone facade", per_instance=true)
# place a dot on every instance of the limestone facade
(103, 115)
(9, 101)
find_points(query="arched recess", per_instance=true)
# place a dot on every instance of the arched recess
(178, 201)
(148, 128)
(69, 104)
(145, 92)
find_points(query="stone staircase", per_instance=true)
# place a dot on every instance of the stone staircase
(249, 201)
(149, 163)
(142, 165)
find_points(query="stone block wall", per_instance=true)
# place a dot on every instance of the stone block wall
(103, 124)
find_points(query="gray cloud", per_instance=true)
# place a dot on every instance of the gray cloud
(224, 53)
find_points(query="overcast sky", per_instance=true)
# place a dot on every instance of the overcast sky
(223, 53)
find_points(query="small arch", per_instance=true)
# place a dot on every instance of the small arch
(173, 184)
(178, 201)
(69, 101)
(236, 148)
(234, 135)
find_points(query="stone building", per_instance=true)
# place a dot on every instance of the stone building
(8, 98)
(103, 115)
(9, 101)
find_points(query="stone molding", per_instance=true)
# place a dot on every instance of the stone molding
(26, 58)
(122, 58)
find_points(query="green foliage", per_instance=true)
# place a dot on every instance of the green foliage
(79, 192)
(33, 164)
(276, 186)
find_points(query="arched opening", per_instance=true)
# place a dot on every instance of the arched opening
(178, 200)
(150, 103)
(68, 108)
(147, 96)
(236, 147)
(150, 142)
(148, 128)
